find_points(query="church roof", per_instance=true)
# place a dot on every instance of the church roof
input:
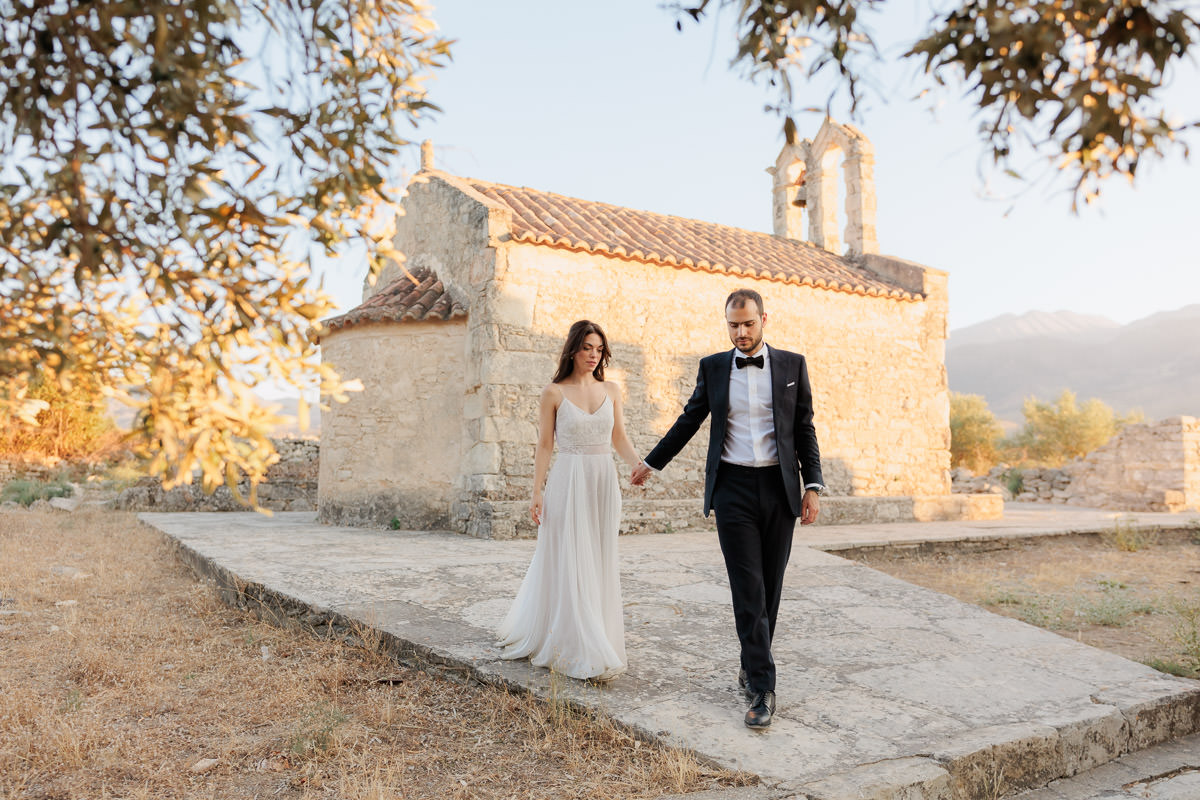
(554, 220)
(419, 297)
(547, 219)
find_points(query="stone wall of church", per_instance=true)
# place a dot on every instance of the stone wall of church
(876, 367)
(393, 454)
(451, 230)
(449, 442)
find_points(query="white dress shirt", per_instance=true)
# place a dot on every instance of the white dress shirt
(750, 429)
(750, 426)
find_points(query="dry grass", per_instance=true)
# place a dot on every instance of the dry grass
(119, 678)
(1139, 599)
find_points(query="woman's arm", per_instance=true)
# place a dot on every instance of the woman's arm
(620, 439)
(547, 411)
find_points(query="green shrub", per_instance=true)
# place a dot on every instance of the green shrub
(1113, 609)
(26, 492)
(1040, 610)
(1014, 481)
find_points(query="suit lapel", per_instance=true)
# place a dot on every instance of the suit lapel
(779, 374)
(724, 367)
(719, 408)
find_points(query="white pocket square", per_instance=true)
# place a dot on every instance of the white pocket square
(790, 385)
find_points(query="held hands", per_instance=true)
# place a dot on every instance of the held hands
(639, 475)
(810, 506)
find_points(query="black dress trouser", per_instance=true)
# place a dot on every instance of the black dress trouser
(754, 525)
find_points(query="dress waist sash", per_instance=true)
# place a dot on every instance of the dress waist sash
(585, 449)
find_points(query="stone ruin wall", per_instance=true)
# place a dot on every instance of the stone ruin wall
(25, 470)
(290, 485)
(1151, 466)
(1146, 467)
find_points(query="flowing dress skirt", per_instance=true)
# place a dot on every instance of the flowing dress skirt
(567, 615)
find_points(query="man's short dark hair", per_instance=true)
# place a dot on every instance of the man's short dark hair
(740, 297)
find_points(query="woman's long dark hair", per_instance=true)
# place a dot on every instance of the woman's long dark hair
(579, 331)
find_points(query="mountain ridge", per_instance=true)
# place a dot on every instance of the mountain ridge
(1151, 364)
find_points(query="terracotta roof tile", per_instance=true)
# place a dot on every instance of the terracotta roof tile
(554, 220)
(401, 300)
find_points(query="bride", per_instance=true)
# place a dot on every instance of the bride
(567, 614)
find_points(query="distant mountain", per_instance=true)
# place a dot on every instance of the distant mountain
(1055, 325)
(1152, 363)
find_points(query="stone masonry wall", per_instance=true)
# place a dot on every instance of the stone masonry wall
(290, 485)
(19, 469)
(1146, 467)
(876, 367)
(394, 451)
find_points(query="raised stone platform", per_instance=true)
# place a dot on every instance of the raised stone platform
(836, 510)
(886, 690)
(919, 508)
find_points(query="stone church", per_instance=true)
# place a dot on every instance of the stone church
(453, 355)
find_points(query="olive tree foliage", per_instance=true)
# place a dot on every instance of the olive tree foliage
(167, 167)
(974, 432)
(1054, 433)
(1079, 81)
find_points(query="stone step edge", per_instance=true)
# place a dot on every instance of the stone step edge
(996, 761)
(984, 763)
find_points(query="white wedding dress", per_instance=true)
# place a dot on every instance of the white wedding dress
(567, 614)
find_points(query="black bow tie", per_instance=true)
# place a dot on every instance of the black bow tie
(754, 361)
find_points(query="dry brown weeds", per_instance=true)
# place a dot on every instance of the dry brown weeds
(122, 676)
(1091, 588)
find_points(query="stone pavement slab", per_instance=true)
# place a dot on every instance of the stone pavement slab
(886, 690)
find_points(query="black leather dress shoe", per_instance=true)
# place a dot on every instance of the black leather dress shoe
(743, 686)
(762, 708)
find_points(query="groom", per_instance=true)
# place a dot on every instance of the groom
(761, 442)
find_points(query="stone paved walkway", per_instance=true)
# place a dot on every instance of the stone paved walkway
(886, 690)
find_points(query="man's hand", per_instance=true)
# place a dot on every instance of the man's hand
(810, 506)
(640, 473)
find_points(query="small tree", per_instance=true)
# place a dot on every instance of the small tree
(73, 422)
(1057, 432)
(974, 432)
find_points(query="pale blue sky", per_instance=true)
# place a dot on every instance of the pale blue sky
(606, 101)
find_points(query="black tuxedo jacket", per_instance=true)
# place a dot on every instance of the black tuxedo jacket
(791, 404)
